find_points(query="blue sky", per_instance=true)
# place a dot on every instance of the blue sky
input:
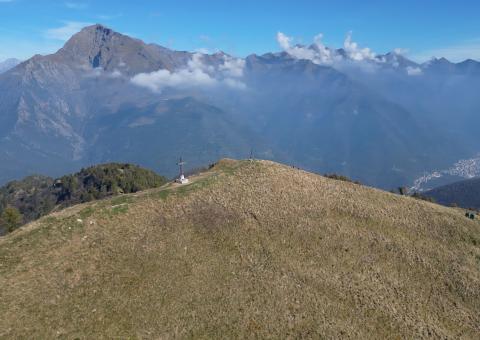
(423, 28)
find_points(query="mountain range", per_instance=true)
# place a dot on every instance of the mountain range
(381, 119)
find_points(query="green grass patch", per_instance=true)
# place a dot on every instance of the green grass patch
(162, 194)
(86, 213)
(200, 184)
(122, 209)
(69, 225)
(44, 229)
(122, 200)
(230, 167)
(49, 220)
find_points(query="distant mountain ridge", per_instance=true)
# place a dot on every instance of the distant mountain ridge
(464, 194)
(383, 120)
(8, 64)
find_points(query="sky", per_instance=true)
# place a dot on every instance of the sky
(420, 28)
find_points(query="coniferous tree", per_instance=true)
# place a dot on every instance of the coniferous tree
(10, 219)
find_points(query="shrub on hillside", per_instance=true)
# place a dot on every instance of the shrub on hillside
(10, 219)
(419, 196)
(341, 178)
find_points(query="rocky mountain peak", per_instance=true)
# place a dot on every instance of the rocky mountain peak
(97, 29)
(98, 46)
(93, 44)
(95, 33)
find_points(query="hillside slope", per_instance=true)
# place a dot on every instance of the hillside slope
(36, 196)
(247, 249)
(463, 193)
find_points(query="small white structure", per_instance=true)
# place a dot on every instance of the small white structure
(181, 178)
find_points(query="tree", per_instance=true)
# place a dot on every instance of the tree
(10, 219)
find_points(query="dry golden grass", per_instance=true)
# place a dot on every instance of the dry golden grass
(248, 250)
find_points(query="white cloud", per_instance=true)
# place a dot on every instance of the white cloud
(356, 53)
(233, 67)
(395, 62)
(115, 74)
(298, 52)
(400, 51)
(66, 31)
(76, 5)
(397, 53)
(325, 55)
(156, 81)
(320, 54)
(98, 72)
(414, 71)
(203, 50)
(92, 73)
(196, 73)
(283, 41)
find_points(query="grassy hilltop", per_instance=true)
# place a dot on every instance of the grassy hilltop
(248, 249)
